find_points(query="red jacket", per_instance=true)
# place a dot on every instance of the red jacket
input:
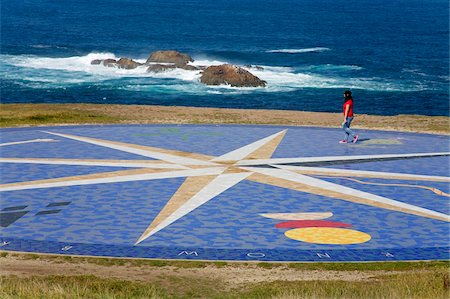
(350, 104)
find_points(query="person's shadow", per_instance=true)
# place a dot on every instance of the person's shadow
(363, 139)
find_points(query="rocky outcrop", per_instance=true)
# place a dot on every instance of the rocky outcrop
(106, 62)
(123, 63)
(157, 68)
(230, 75)
(177, 58)
(161, 61)
(188, 67)
(173, 58)
(127, 63)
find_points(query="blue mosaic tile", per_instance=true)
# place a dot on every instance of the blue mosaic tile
(107, 219)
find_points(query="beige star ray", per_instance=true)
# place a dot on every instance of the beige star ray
(199, 190)
(190, 187)
(216, 186)
(260, 149)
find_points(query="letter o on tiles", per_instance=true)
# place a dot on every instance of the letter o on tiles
(256, 254)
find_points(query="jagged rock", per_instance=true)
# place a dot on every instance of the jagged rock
(110, 62)
(164, 60)
(231, 75)
(174, 57)
(188, 67)
(127, 63)
(106, 62)
(157, 68)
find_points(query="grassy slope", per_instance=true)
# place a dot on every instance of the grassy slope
(12, 115)
(409, 285)
(410, 280)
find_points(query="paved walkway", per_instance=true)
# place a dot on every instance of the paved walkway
(225, 193)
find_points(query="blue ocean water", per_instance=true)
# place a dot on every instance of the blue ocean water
(393, 54)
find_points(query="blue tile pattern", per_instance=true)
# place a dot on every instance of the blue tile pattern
(107, 219)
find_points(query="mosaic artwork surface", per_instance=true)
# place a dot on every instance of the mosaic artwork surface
(210, 192)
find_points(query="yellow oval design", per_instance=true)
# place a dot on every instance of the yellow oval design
(327, 235)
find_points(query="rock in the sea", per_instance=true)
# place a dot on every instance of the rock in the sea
(127, 63)
(106, 62)
(158, 61)
(110, 62)
(177, 58)
(188, 67)
(230, 75)
(157, 68)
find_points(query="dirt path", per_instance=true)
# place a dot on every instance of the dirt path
(232, 275)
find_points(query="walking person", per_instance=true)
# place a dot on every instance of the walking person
(348, 117)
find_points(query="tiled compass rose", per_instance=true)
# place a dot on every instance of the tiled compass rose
(207, 178)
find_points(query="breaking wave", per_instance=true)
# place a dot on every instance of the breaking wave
(296, 51)
(46, 72)
(41, 46)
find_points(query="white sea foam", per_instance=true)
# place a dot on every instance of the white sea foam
(330, 67)
(40, 46)
(415, 72)
(276, 69)
(296, 51)
(71, 64)
(82, 65)
(206, 62)
(60, 72)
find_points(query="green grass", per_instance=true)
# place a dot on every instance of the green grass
(31, 256)
(429, 285)
(57, 117)
(76, 287)
(396, 280)
(411, 285)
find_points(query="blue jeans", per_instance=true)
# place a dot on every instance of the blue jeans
(346, 127)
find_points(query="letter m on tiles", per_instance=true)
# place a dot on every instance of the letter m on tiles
(323, 255)
(188, 253)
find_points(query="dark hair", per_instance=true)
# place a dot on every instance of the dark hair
(348, 95)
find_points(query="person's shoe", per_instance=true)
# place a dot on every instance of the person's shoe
(343, 141)
(355, 138)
